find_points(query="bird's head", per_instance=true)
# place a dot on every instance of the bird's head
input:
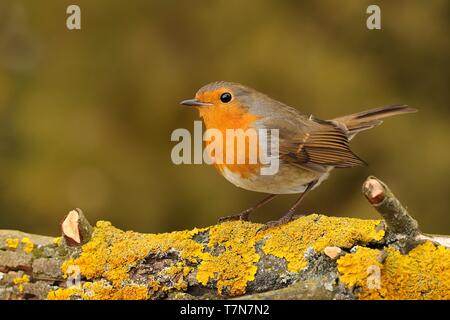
(225, 104)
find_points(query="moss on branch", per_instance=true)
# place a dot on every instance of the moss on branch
(312, 257)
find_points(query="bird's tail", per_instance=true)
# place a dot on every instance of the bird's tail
(365, 120)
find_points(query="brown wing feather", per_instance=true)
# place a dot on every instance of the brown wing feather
(325, 144)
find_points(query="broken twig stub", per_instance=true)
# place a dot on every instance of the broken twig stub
(75, 228)
(402, 230)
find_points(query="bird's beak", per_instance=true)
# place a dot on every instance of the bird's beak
(195, 103)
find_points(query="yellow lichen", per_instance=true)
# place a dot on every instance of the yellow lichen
(235, 266)
(20, 280)
(112, 252)
(178, 273)
(62, 294)
(100, 290)
(28, 245)
(229, 258)
(12, 243)
(57, 240)
(176, 269)
(318, 232)
(154, 284)
(424, 273)
(92, 261)
(357, 268)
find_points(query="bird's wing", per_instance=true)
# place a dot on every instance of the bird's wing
(315, 144)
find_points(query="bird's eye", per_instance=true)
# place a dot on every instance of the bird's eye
(225, 97)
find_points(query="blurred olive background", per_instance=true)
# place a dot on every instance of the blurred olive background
(86, 116)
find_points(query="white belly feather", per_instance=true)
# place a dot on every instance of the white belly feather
(288, 180)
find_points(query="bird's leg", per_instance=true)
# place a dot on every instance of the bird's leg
(288, 216)
(244, 214)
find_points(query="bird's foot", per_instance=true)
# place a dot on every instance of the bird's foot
(283, 220)
(243, 216)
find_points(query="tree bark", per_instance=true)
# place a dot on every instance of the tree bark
(312, 257)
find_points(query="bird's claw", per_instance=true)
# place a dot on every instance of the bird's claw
(268, 225)
(272, 224)
(235, 217)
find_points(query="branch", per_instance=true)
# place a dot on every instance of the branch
(401, 227)
(312, 257)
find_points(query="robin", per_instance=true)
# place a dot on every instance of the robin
(309, 148)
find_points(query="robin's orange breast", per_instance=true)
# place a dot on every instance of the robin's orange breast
(234, 117)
